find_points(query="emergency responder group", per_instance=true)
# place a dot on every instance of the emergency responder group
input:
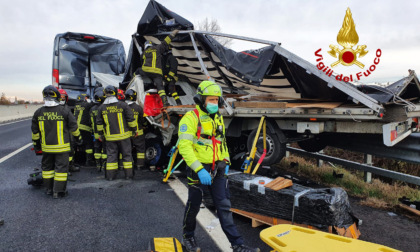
(117, 128)
(100, 130)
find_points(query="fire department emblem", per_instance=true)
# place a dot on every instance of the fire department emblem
(347, 37)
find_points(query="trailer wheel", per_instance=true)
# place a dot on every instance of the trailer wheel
(315, 144)
(275, 149)
(154, 151)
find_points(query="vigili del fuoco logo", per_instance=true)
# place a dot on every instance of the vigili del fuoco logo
(347, 55)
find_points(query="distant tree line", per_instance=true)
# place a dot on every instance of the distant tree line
(5, 101)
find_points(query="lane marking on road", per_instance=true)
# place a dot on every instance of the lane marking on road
(15, 122)
(14, 153)
(204, 217)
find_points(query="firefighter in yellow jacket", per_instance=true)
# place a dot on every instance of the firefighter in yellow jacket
(51, 125)
(115, 123)
(152, 63)
(202, 144)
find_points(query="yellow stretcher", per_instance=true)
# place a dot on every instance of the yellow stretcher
(290, 238)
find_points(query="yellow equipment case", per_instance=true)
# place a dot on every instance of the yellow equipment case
(288, 238)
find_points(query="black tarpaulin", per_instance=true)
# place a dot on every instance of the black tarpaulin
(156, 18)
(321, 208)
(406, 88)
(251, 65)
(233, 70)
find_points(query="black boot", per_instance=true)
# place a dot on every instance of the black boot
(165, 101)
(190, 245)
(98, 165)
(243, 248)
(73, 167)
(57, 195)
(90, 160)
(48, 191)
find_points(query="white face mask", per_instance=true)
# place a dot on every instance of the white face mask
(49, 103)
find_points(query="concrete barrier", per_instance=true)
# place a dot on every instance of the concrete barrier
(15, 112)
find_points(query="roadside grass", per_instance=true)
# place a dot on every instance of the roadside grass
(376, 194)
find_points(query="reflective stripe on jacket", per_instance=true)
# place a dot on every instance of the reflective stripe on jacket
(197, 151)
(93, 115)
(52, 127)
(115, 121)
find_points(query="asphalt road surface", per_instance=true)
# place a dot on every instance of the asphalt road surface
(121, 215)
(97, 215)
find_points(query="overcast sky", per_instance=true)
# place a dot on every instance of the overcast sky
(28, 29)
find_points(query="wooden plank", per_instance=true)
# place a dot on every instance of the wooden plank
(325, 105)
(274, 182)
(351, 232)
(414, 211)
(252, 104)
(257, 219)
(283, 184)
(255, 223)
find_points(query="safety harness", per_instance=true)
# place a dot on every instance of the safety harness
(213, 139)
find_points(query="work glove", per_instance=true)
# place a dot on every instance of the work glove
(204, 177)
(227, 169)
(174, 33)
(79, 140)
(37, 147)
(134, 131)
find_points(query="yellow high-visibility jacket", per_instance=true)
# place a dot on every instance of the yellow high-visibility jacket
(197, 151)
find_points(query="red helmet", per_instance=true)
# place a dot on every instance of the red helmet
(120, 95)
(63, 94)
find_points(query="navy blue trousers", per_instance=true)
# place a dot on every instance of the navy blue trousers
(219, 192)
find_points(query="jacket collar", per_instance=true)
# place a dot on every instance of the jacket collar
(51, 103)
(110, 100)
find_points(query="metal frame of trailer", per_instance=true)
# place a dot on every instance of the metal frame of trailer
(342, 119)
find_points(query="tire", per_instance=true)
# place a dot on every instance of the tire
(315, 144)
(275, 149)
(154, 153)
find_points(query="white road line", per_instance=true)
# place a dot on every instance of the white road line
(14, 153)
(204, 217)
(14, 122)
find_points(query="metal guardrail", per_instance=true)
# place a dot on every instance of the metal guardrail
(359, 166)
